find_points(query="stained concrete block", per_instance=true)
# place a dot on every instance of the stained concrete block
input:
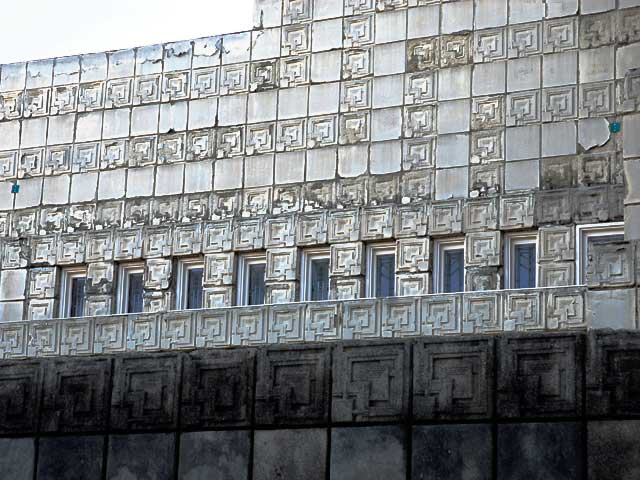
(70, 458)
(173, 116)
(452, 452)
(11, 311)
(112, 184)
(214, 455)
(452, 183)
(12, 284)
(352, 160)
(612, 308)
(18, 458)
(84, 187)
(300, 454)
(532, 451)
(631, 138)
(613, 450)
(522, 175)
(142, 456)
(375, 453)
(30, 193)
(489, 78)
(116, 123)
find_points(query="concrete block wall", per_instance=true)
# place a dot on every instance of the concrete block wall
(560, 406)
(337, 122)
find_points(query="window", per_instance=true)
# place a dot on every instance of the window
(589, 235)
(189, 294)
(381, 271)
(131, 288)
(251, 272)
(72, 292)
(449, 266)
(315, 275)
(520, 261)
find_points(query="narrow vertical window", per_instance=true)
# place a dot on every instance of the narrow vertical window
(131, 288)
(251, 275)
(72, 295)
(381, 271)
(189, 285)
(525, 265)
(448, 268)
(315, 275)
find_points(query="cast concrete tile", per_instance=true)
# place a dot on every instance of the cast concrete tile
(612, 308)
(258, 170)
(173, 116)
(457, 16)
(327, 9)
(169, 179)
(237, 47)
(228, 173)
(12, 284)
(559, 138)
(10, 135)
(489, 78)
(523, 142)
(523, 73)
(391, 26)
(292, 102)
(613, 447)
(389, 58)
(522, 175)
(30, 193)
(300, 454)
(84, 187)
(452, 183)
(321, 164)
(352, 160)
(88, 126)
(324, 98)
(289, 167)
(144, 120)
(202, 113)
(232, 110)
(56, 190)
(141, 456)
(388, 91)
(34, 132)
(70, 457)
(423, 21)
(386, 157)
(12, 311)
(223, 454)
(454, 116)
(596, 6)
(386, 124)
(490, 13)
(116, 123)
(631, 139)
(198, 176)
(112, 184)
(326, 66)
(18, 458)
(327, 35)
(596, 64)
(560, 69)
(265, 43)
(262, 107)
(452, 150)
(61, 130)
(527, 11)
(140, 182)
(627, 58)
(454, 83)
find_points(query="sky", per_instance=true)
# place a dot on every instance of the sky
(33, 29)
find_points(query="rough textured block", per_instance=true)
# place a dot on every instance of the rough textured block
(375, 453)
(76, 395)
(217, 388)
(18, 458)
(145, 392)
(539, 375)
(452, 452)
(70, 458)
(300, 454)
(20, 396)
(613, 449)
(453, 379)
(141, 456)
(613, 369)
(531, 451)
(213, 455)
(370, 382)
(292, 385)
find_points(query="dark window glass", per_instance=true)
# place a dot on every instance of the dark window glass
(319, 278)
(134, 293)
(194, 288)
(524, 266)
(76, 308)
(255, 284)
(453, 271)
(385, 275)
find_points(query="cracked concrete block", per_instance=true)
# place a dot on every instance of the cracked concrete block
(173, 116)
(558, 138)
(593, 132)
(267, 13)
(289, 167)
(55, 190)
(353, 160)
(202, 113)
(321, 164)
(84, 187)
(111, 184)
(454, 83)
(326, 66)
(61, 129)
(631, 136)
(169, 179)
(457, 16)
(237, 48)
(452, 183)
(144, 120)
(489, 78)
(560, 69)
(612, 308)
(386, 124)
(262, 107)
(324, 98)
(140, 182)
(523, 142)
(12, 284)
(34, 132)
(198, 176)
(116, 123)
(596, 64)
(424, 21)
(452, 150)
(265, 43)
(522, 175)
(30, 193)
(327, 35)
(386, 157)
(454, 116)
(258, 170)
(228, 173)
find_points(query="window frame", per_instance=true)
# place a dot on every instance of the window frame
(124, 271)
(375, 250)
(583, 233)
(244, 261)
(440, 247)
(308, 256)
(510, 242)
(182, 278)
(66, 281)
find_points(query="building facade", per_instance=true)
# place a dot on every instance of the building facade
(348, 169)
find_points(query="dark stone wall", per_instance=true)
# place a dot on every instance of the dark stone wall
(509, 407)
